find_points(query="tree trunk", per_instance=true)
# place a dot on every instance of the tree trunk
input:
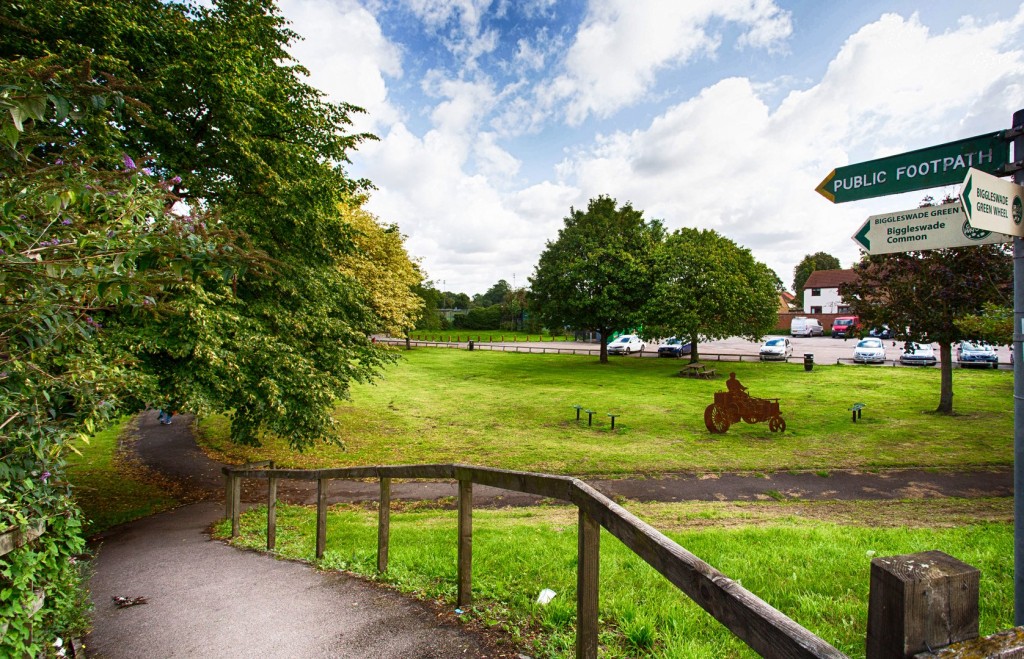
(604, 332)
(694, 355)
(946, 379)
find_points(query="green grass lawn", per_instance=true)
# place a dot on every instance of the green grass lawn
(515, 411)
(108, 487)
(810, 560)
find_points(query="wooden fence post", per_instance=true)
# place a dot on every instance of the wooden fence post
(321, 516)
(465, 569)
(920, 602)
(384, 525)
(227, 495)
(587, 585)
(271, 513)
(236, 504)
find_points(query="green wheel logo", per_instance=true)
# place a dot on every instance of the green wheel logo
(974, 234)
(1017, 211)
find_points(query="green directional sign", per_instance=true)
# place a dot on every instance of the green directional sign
(918, 229)
(931, 167)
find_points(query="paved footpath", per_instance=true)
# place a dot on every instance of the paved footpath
(206, 599)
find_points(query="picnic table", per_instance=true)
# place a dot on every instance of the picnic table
(697, 370)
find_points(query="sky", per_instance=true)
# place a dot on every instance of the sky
(496, 117)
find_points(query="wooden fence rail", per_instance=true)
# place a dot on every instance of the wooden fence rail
(762, 627)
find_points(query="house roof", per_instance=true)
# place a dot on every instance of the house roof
(830, 278)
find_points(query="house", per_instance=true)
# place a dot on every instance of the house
(786, 301)
(821, 291)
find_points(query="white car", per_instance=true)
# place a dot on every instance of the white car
(869, 351)
(776, 348)
(918, 354)
(626, 344)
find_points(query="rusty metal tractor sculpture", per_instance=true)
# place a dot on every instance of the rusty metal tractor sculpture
(735, 404)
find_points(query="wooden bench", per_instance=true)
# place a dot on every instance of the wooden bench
(856, 410)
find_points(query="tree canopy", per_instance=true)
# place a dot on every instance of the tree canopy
(807, 265)
(255, 296)
(220, 108)
(597, 274)
(707, 288)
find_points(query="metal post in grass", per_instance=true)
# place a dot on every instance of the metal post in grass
(321, 516)
(587, 585)
(465, 558)
(271, 513)
(384, 525)
(1018, 394)
(236, 504)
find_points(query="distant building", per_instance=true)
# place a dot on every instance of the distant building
(786, 301)
(821, 292)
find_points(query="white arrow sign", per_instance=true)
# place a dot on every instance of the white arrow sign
(918, 229)
(992, 203)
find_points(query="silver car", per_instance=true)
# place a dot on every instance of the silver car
(776, 348)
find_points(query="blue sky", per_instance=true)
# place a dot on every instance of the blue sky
(496, 117)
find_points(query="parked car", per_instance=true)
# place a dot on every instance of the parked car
(674, 347)
(918, 354)
(882, 332)
(976, 353)
(776, 348)
(802, 326)
(626, 344)
(845, 326)
(869, 351)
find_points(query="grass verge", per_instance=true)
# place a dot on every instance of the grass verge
(515, 411)
(109, 484)
(810, 560)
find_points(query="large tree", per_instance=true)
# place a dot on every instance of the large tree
(708, 287)
(807, 265)
(597, 274)
(222, 105)
(923, 295)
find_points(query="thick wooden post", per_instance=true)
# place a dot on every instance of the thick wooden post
(920, 602)
(236, 504)
(384, 525)
(227, 496)
(587, 580)
(321, 516)
(271, 513)
(465, 574)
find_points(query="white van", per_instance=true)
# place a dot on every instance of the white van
(802, 326)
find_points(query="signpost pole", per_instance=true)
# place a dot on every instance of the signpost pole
(1018, 397)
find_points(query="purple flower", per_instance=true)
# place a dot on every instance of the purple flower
(111, 234)
(147, 171)
(46, 475)
(176, 180)
(66, 221)
(128, 162)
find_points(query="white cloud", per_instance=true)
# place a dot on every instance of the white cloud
(724, 160)
(347, 55)
(622, 44)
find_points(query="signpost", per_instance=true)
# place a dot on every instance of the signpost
(929, 227)
(992, 203)
(931, 167)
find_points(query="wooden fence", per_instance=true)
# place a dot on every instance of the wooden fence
(759, 625)
(919, 603)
